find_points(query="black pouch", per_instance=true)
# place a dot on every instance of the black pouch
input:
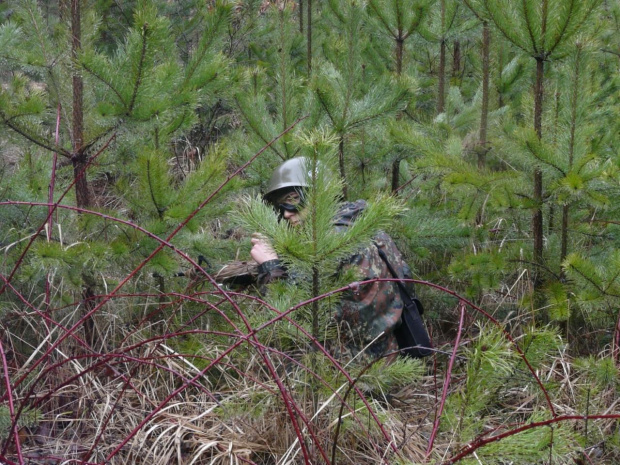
(411, 335)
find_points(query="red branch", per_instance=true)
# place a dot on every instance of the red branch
(446, 384)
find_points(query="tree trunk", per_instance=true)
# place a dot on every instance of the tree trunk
(79, 160)
(484, 111)
(315, 304)
(342, 168)
(442, 62)
(395, 175)
(301, 16)
(500, 68)
(442, 77)
(309, 37)
(564, 241)
(399, 55)
(537, 219)
(456, 60)
(399, 69)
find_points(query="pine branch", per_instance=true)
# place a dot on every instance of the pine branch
(107, 83)
(257, 130)
(325, 107)
(533, 151)
(506, 31)
(528, 23)
(591, 281)
(36, 141)
(138, 82)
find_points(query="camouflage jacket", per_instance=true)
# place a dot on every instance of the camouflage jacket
(368, 312)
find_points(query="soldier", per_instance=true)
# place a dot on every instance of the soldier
(366, 316)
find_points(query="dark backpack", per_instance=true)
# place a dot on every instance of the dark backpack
(411, 334)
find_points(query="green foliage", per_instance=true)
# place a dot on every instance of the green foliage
(28, 417)
(533, 446)
(177, 96)
(522, 23)
(386, 377)
(601, 372)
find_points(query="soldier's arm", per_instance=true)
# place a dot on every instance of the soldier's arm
(269, 266)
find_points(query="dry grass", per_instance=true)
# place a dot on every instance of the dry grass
(136, 399)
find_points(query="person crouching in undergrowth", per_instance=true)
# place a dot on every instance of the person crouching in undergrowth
(366, 315)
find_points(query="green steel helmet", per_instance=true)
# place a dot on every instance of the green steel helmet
(292, 173)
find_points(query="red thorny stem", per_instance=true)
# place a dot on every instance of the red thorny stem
(288, 402)
(7, 383)
(446, 383)
(280, 316)
(346, 288)
(290, 405)
(253, 332)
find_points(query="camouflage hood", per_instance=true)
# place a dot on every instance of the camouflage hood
(348, 213)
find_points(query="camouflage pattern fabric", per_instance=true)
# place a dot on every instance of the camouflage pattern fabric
(368, 312)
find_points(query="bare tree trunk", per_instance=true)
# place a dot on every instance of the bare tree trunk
(315, 303)
(456, 59)
(442, 78)
(399, 55)
(309, 36)
(500, 66)
(442, 63)
(79, 161)
(399, 69)
(484, 112)
(301, 16)
(395, 175)
(342, 168)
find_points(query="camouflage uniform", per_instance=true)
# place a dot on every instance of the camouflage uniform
(369, 311)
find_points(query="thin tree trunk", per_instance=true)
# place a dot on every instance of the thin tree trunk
(537, 219)
(315, 304)
(500, 67)
(484, 112)
(82, 193)
(342, 168)
(456, 60)
(79, 161)
(442, 77)
(564, 246)
(399, 55)
(399, 68)
(395, 175)
(442, 62)
(301, 16)
(309, 36)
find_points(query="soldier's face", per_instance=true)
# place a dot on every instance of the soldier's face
(291, 208)
(293, 217)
